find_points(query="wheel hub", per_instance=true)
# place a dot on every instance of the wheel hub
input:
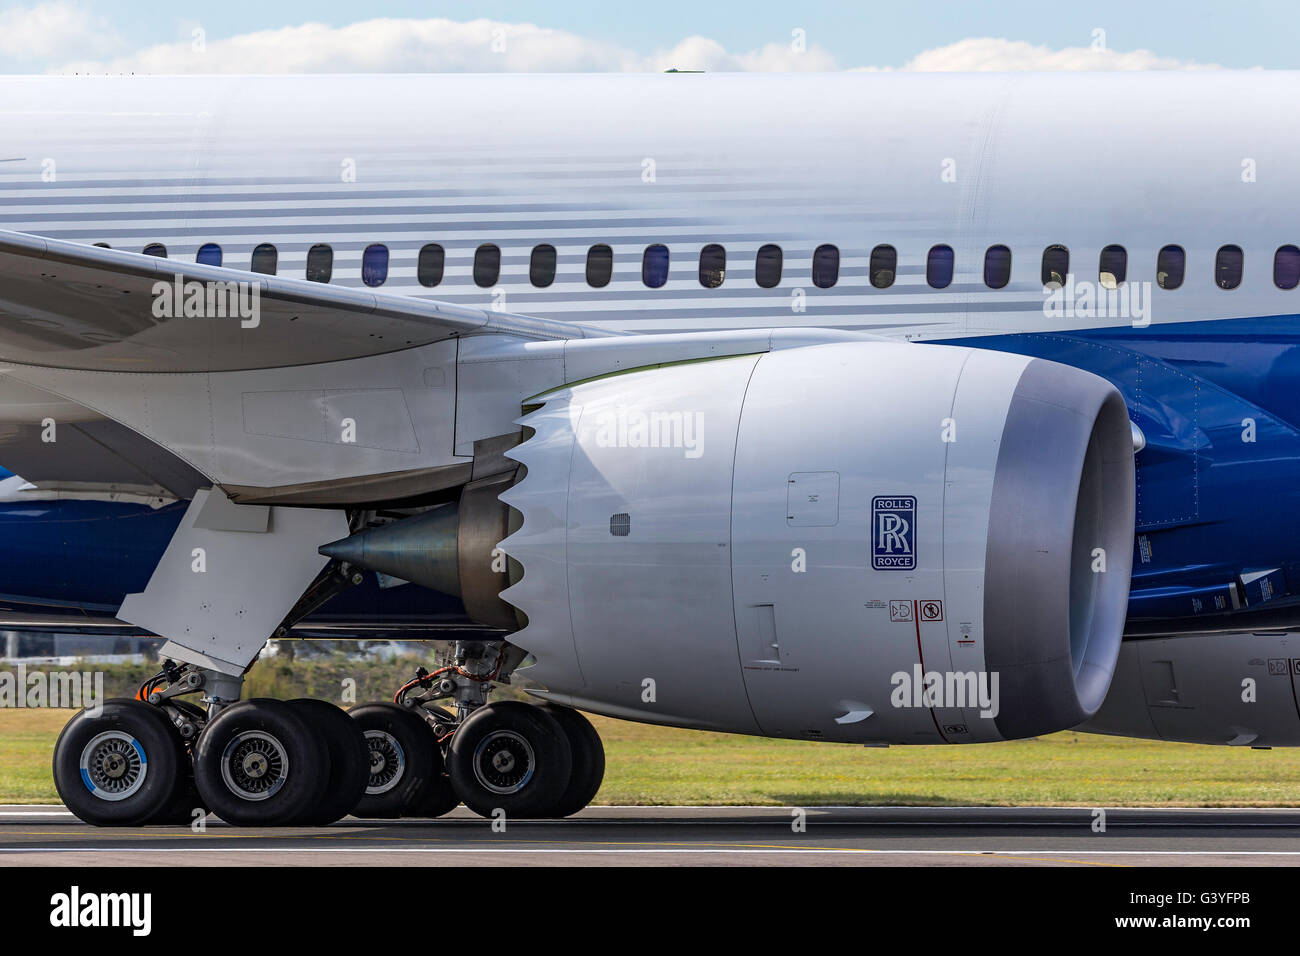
(387, 761)
(254, 765)
(113, 765)
(504, 762)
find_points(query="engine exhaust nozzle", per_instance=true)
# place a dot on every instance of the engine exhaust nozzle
(451, 549)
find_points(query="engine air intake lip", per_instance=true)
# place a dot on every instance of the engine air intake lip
(1059, 549)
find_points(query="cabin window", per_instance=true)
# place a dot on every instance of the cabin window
(320, 263)
(997, 267)
(767, 266)
(265, 259)
(374, 264)
(487, 265)
(884, 266)
(1056, 266)
(938, 267)
(1286, 267)
(209, 254)
(541, 265)
(1112, 268)
(825, 266)
(654, 266)
(1228, 264)
(600, 266)
(1171, 261)
(713, 266)
(430, 264)
(156, 249)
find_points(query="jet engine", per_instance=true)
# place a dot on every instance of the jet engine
(867, 542)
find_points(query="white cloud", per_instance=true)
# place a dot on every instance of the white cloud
(52, 29)
(991, 53)
(701, 53)
(68, 37)
(438, 46)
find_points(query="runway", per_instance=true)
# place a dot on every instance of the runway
(687, 836)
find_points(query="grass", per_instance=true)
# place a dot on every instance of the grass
(26, 748)
(660, 765)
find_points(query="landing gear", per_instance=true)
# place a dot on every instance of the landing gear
(260, 763)
(511, 756)
(162, 760)
(125, 766)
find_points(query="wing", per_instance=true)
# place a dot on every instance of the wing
(72, 306)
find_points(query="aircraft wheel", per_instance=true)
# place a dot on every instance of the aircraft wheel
(260, 763)
(404, 761)
(588, 759)
(511, 756)
(121, 768)
(349, 761)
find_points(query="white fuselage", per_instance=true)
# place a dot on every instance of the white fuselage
(850, 160)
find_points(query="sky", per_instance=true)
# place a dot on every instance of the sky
(119, 36)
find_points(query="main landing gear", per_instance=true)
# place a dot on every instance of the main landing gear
(261, 762)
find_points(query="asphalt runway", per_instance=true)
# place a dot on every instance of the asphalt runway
(686, 836)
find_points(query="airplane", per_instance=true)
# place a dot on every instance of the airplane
(863, 408)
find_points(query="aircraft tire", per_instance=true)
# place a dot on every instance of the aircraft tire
(258, 763)
(403, 761)
(349, 761)
(510, 756)
(588, 759)
(442, 799)
(123, 767)
(180, 812)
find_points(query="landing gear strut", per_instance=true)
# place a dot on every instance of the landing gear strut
(524, 759)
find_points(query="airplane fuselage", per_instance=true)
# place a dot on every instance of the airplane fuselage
(662, 203)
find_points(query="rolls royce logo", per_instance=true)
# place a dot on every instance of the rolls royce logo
(893, 533)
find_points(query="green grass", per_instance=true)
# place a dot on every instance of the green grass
(657, 765)
(26, 748)
(660, 765)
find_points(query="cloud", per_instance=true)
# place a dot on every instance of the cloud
(68, 34)
(439, 46)
(52, 29)
(991, 53)
(700, 53)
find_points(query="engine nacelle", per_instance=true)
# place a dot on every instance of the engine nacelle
(1238, 689)
(865, 542)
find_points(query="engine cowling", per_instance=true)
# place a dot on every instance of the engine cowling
(866, 542)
